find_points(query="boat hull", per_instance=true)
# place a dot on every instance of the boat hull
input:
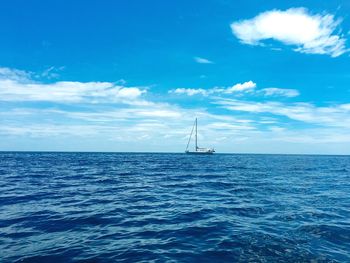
(200, 153)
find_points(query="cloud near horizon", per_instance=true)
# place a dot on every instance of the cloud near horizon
(331, 116)
(309, 33)
(127, 117)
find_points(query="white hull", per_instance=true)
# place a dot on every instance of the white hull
(203, 153)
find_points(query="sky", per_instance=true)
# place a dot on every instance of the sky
(261, 77)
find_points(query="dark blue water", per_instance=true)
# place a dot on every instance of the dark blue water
(107, 207)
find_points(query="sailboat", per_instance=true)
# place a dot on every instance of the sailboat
(197, 150)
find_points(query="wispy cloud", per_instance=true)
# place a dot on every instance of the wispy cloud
(51, 72)
(331, 116)
(202, 60)
(248, 87)
(309, 33)
(166, 126)
(290, 93)
(15, 75)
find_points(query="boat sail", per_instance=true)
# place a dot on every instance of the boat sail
(197, 150)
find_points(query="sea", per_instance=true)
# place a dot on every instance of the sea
(159, 207)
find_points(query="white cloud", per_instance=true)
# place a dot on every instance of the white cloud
(310, 33)
(238, 126)
(203, 60)
(331, 116)
(246, 86)
(129, 93)
(163, 126)
(190, 92)
(290, 93)
(237, 88)
(17, 85)
(47, 130)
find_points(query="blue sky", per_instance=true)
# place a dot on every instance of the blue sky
(268, 77)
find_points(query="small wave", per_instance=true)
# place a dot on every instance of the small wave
(102, 207)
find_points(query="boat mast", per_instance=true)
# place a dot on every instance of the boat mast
(189, 139)
(196, 135)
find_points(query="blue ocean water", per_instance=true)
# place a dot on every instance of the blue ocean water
(122, 207)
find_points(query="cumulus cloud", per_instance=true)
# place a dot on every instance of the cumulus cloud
(202, 60)
(17, 85)
(309, 33)
(246, 86)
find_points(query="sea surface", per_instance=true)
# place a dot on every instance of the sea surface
(135, 207)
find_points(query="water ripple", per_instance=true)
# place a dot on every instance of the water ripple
(106, 207)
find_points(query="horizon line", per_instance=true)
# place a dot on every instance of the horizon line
(154, 152)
